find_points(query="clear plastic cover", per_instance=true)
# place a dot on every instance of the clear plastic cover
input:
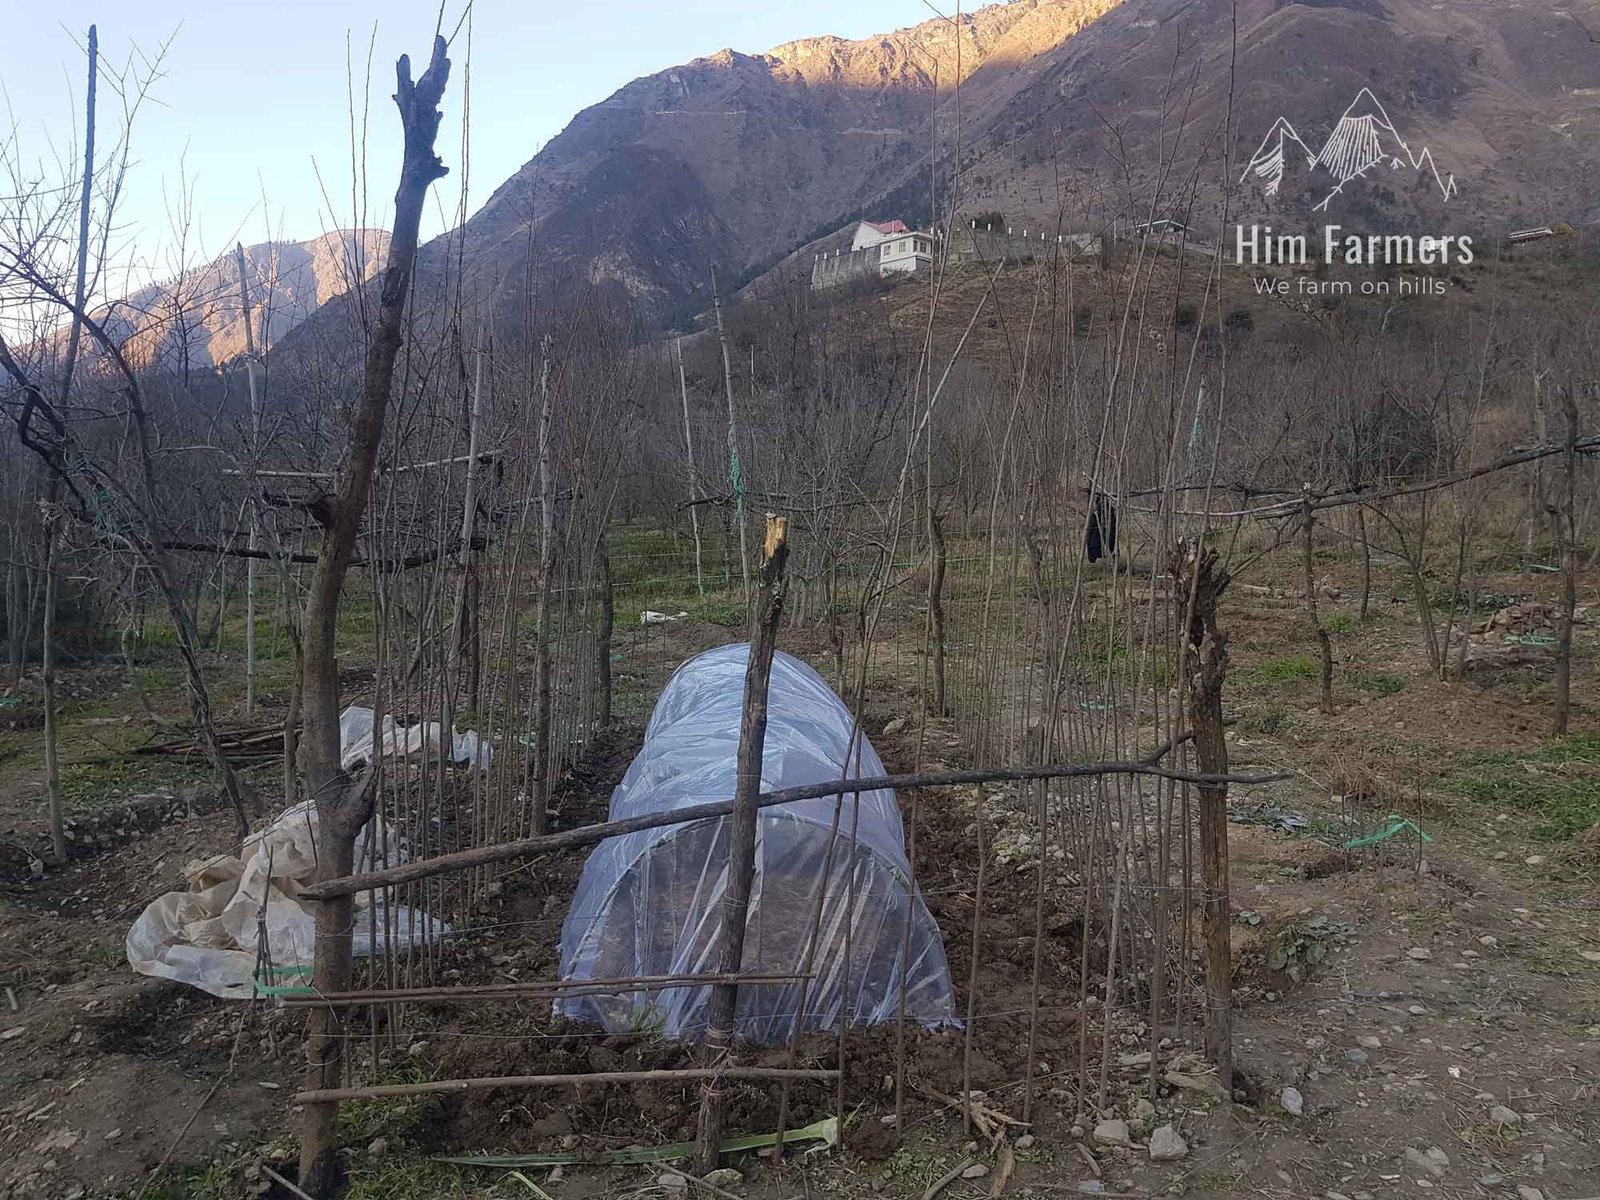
(649, 903)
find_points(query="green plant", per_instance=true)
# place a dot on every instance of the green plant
(1283, 668)
(1379, 682)
(1341, 621)
(1305, 944)
(1560, 782)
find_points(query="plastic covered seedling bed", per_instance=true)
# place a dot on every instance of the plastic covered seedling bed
(649, 903)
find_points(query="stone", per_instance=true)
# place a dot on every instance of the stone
(1370, 1043)
(1524, 1192)
(377, 1145)
(1589, 955)
(1167, 1145)
(1144, 1109)
(724, 1177)
(1424, 1161)
(672, 1181)
(1112, 1133)
(1417, 1010)
(975, 1171)
(1534, 860)
(1356, 1057)
(1026, 1142)
(1292, 1101)
(1419, 953)
(1502, 1116)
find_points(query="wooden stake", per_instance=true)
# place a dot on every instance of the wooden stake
(1568, 516)
(735, 471)
(539, 774)
(742, 840)
(694, 487)
(1324, 645)
(251, 366)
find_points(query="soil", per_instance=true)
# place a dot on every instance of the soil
(1448, 978)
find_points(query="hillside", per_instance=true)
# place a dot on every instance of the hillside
(197, 320)
(1482, 117)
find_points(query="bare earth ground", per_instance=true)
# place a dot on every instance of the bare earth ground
(1442, 988)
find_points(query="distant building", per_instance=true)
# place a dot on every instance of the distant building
(878, 248)
(1518, 236)
(873, 233)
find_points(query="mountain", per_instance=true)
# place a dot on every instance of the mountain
(1083, 111)
(197, 320)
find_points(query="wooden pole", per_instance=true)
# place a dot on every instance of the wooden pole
(387, 1091)
(694, 487)
(252, 365)
(1569, 569)
(741, 841)
(522, 991)
(52, 757)
(589, 835)
(1324, 644)
(1200, 584)
(735, 471)
(52, 536)
(539, 776)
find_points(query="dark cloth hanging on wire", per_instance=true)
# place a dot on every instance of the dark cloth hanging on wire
(1100, 540)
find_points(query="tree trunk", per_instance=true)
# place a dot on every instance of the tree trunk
(343, 808)
(742, 839)
(1200, 579)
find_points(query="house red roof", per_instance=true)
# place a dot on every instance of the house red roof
(888, 226)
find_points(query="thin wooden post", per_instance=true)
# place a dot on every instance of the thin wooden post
(742, 839)
(52, 757)
(539, 775)
(936, 607)
(1324, 645)
(694, 487)
(252, 365)
(1201, 582)
(608, 622)
(1569, 568)
(735, 470)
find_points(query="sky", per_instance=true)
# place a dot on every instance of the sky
(249, 118)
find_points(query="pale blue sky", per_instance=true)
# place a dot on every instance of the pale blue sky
(254, 94)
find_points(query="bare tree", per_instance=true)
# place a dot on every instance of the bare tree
(344, 805)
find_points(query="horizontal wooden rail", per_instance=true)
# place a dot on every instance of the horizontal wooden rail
(530, 991)
(386, 1091)
(588, 835)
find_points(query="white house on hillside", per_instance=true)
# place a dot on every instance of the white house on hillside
(878, 248)
(913, 252)
(874, 233)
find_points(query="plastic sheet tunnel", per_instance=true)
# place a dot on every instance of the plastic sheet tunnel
(649, 903)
